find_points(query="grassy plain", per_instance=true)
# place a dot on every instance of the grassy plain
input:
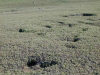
(51, 30)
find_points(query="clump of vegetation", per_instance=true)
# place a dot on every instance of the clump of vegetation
(85, 29)
(76, 38)
(61, 23)
(70, 25)
(44, 64)
(22, 30)
(84, 14)
(47, 64)
(88, 14)
(35, 60)
(32, 61)
(53, 62)
(65, 16)
(96, 73)
(48, 26)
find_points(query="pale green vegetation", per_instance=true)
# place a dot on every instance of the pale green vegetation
(49, 37)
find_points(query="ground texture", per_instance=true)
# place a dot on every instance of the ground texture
(49, 37)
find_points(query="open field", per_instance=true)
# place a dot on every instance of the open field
(49, 37)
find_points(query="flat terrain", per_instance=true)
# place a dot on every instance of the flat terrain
(49, 37)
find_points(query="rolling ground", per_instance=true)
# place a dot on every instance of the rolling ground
(49, 37)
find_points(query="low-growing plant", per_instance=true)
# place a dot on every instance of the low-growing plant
(76, 38)
(44, 64)
(61, 23)
(48, 26)
(65, 16)
(85, 29)
(88, 14)
(36, 60)
(70, 25)
(48, 64)
(33, 60)
(22, 30)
